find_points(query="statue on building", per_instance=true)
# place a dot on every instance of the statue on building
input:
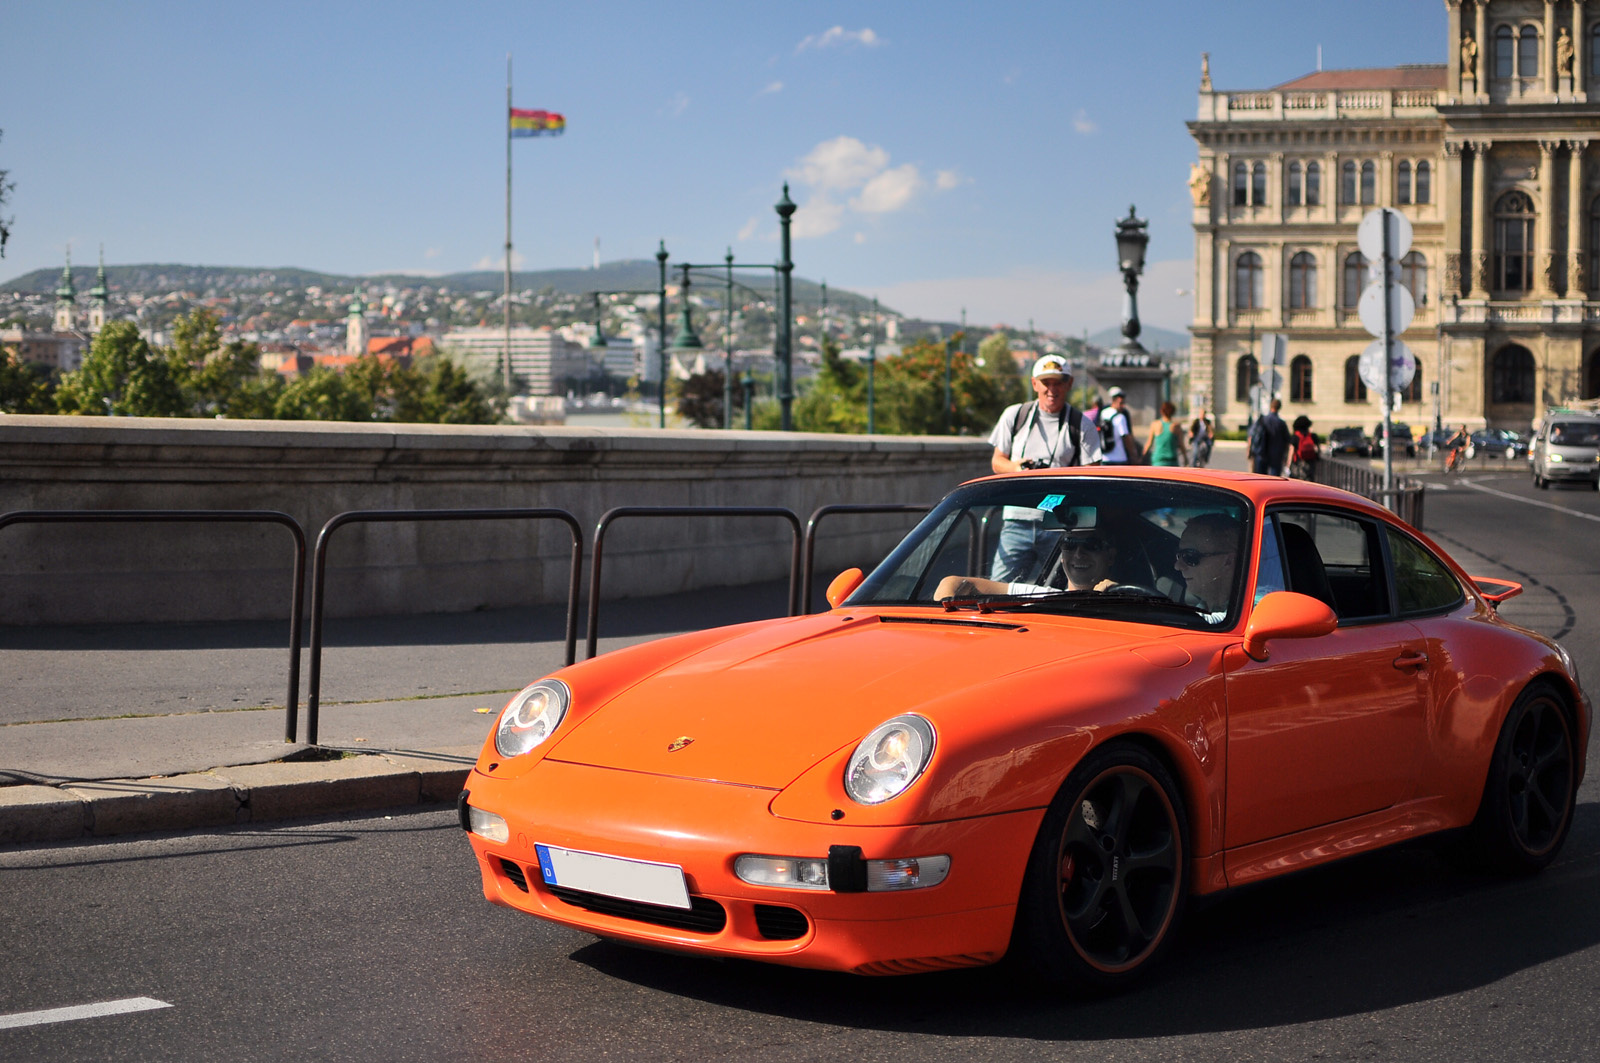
(1564, 53)
(1200, 184)
(1469, 57)
(1205, 71)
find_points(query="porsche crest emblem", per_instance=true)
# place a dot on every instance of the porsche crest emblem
(678, 743)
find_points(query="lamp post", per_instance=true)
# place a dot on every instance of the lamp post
(661, 335)
(749, 383)
(872, 366)
(785, 209)
(727, 345)
(686, 340)
(947, 344)
(1132, 238)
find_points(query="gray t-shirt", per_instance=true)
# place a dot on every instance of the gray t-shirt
(1041, 435)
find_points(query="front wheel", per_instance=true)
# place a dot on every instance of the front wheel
(1108, 876)
(1528, 798)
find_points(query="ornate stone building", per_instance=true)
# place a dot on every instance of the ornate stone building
(1492, 155)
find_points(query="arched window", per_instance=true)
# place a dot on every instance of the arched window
(1413, 392)
(1246, 375)
(1513, 243)
(1528, 53)
(1347, 182)
(1502, 52)
(1511, 375)
(1354, 389)
(1296, 184)
(1591, 376)
(1369, 183)
(1594, 243)
(1313, 185)
(1424, 183)
(1300, 379)
(1594, 51)
(1414, 275)
(1241, 184)
(1303, 281)
(1402, 182)
(1355, 279)
(1247, 288)
(1258, 184)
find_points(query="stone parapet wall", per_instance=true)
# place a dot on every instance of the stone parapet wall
(164, 572)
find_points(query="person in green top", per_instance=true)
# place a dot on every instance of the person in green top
(1165, 443)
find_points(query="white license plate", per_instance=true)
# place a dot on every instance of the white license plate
(612, 876)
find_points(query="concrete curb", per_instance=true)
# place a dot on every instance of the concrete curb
(250, 793)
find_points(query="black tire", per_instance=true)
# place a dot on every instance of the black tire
(1529, 795)
(1108, 877)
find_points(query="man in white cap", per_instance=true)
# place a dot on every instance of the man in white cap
(1115, 431)
(1044, 434)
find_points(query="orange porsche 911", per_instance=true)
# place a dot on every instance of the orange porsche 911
(1065, 703)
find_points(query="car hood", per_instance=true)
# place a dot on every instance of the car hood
(763, 706)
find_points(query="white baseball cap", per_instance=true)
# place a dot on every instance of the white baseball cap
(1115, 393)
(1051, 365)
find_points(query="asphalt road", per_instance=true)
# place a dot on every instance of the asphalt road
(370, 939)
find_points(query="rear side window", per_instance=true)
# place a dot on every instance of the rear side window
(1422, 583)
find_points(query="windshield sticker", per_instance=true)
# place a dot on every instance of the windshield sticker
(1051, 501)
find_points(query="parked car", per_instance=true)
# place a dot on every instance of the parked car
(1567, 448)
(1498, 443)
(1436, 440)
(1402, 438)
(1349, 441)
(941, 768)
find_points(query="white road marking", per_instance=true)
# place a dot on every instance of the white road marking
(81, 1011)
(1533, 502)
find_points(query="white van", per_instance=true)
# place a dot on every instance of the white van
(1566, 448)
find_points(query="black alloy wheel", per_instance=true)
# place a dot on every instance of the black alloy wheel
(1529, 796)
(1108, 876)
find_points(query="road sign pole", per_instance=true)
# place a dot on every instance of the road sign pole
(1388, 361)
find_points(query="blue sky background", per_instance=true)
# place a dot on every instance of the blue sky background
(945, 154)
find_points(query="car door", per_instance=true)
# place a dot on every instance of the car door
(1325, 728)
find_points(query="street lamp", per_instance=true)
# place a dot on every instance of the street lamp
(785, 208)
(686, 340)
(661, 333)
(1132, 238)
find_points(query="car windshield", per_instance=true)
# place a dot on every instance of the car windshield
(1342, 434)
(1575, 434)
(1145, 550)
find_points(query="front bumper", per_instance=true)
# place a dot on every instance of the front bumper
(1588, 471)
(703, 826)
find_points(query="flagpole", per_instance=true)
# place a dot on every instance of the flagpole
(506, 353)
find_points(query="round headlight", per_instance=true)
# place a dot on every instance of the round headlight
(531, 717)
(889, 760)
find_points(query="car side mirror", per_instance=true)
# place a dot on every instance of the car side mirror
(1286, 615)
(843, 585)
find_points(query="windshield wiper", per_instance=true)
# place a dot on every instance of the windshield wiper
(1092, 597)
(984, 604)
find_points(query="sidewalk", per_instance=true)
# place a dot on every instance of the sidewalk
(121, 729)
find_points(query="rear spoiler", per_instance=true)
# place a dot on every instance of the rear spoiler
(1497, 590)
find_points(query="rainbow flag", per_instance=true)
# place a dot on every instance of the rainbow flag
(536, 123)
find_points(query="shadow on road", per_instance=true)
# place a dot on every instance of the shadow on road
(1375, 932)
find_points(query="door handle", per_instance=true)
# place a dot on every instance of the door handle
(1411, 660)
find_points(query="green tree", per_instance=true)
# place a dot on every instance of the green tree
(699, 399)
(441, 392)
(322, 395)
(123, 376)
(835, 400)
(6, 188)
(998, 364)
(25, 387)
(911, 392)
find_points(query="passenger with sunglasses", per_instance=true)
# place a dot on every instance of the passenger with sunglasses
(1084, 565)
(1208, 553)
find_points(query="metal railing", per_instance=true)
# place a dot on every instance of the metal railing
(1404, 500)
(291, 702)
(807, 568)
(612, 515)
(371, 516)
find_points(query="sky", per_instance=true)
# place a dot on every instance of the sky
(945, 155)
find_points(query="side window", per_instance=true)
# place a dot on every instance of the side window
(1336, 559)
(1422, 583)
(1269, 574)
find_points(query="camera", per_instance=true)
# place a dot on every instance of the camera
(1035, 463)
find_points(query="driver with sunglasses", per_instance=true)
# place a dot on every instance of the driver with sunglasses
(1086, 559)
(1207, 553)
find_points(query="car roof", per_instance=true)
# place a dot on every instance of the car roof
(1261, 490)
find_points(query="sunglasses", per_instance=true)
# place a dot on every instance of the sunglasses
(1192, 557)
(1088, 542)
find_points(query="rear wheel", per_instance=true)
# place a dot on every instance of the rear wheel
(1108, 876)
(1529, 796)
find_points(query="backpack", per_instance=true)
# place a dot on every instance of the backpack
(1108, 430)
(1028, 411)
(1306, 448)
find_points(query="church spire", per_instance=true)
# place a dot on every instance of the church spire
(66, 298)
(99, 296)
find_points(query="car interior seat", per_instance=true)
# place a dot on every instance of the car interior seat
(1303, 564)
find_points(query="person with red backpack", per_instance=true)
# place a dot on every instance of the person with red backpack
(1304, 451)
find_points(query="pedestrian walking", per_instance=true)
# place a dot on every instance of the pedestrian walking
(1116, 431)
(1201, 439)
(1165, 444)
(1269, 442)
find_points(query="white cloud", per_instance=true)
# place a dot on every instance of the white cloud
(677, 105)
(861, 238)
(776, 86)
(945, 180)
(1059, 300)
(749, 228)
(818, 216)
(841, 163)
(499, 261)
(1082, 124)
(837, 36)
(432, 252)
(888, 191)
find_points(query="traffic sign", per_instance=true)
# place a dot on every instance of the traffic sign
(1402, 367)
(1370, 309)
(1369, 234)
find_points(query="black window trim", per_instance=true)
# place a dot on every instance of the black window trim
(1383, 561)
(1394, 589)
